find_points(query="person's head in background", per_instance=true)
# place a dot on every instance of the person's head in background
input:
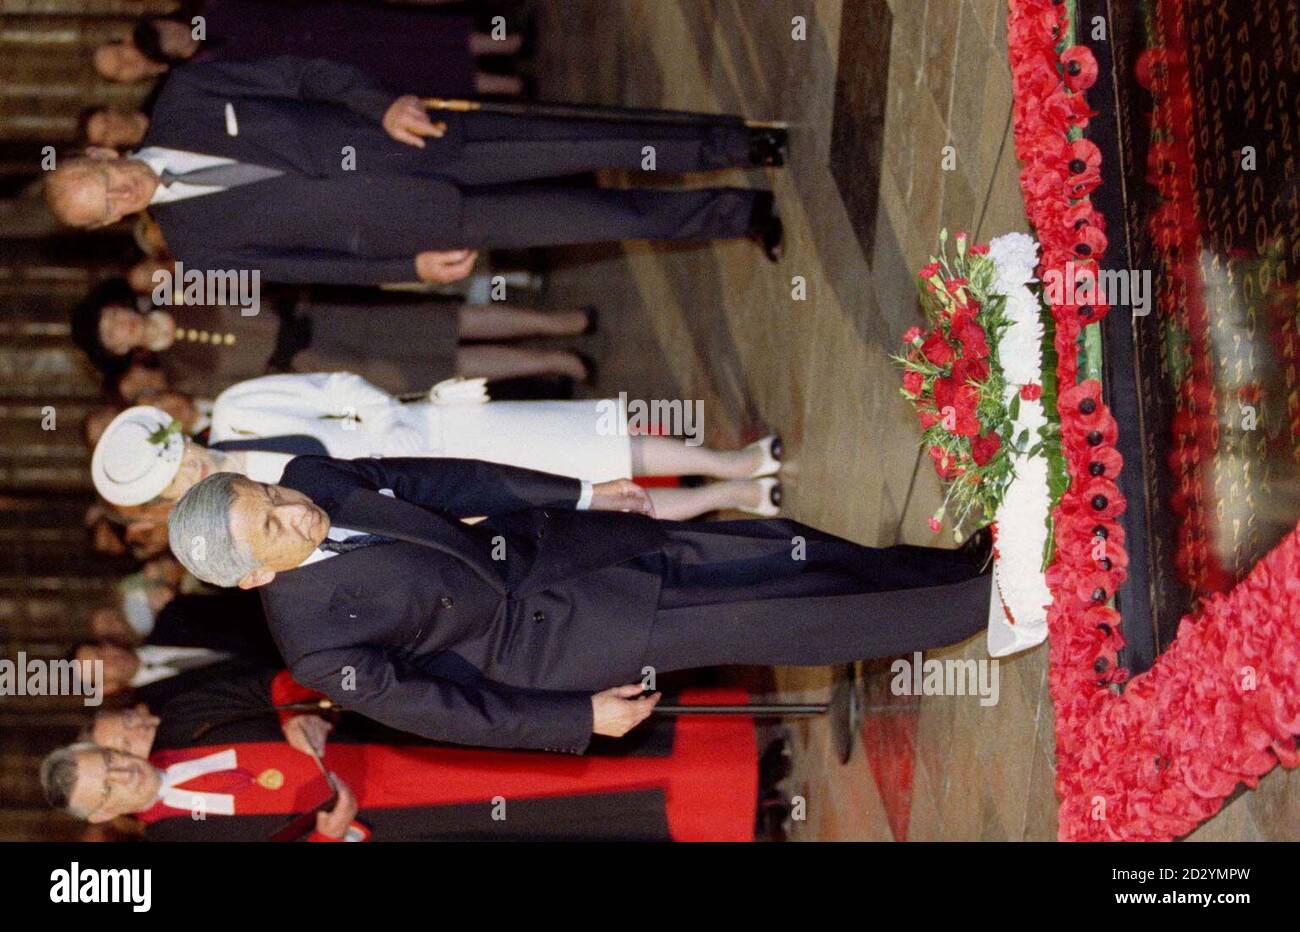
(140, 276)
(97, 419)
(130, 730)
(112, 127)
(106, 537)
(98, 784)
(108, 623)
(166, 40)
(120, 664)
(148, 236)
(98, 188)
(122, 62)
(108, 325)
(137, 381)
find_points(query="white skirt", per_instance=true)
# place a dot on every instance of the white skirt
(582, 439)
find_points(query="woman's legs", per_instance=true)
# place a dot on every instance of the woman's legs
(669, 456)
(685, 504)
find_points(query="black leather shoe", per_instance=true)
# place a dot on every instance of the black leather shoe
(768, 148)
(978, 548)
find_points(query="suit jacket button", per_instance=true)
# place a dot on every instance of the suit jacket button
(541, 534)
(539, 616)
(446, 601)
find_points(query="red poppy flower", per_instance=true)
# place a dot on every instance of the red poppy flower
(1080, 67)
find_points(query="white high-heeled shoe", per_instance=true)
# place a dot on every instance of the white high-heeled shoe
(769, 499)
(773, 451)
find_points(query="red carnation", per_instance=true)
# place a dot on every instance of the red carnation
(970, 335)
(913, 382)
(1031, 392)
(938, 350)
(984, 447)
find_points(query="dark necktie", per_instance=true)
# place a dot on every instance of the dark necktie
(229, 175)
(355, 542)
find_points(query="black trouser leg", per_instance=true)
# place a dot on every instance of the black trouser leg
(500, 149)
(737, 593)
(517, 216)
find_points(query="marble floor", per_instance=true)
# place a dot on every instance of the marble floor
(802, 347)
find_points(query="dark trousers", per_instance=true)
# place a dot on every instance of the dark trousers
(505, 162)
(737, 592)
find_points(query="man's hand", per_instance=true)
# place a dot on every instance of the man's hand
(406, 120)
(442, 268)
(334, 823)
(307, 733)
(615, 712)
(621, 495)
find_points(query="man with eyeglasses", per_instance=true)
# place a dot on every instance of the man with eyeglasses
(221, 764)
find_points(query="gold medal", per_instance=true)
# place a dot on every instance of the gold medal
(270, 779)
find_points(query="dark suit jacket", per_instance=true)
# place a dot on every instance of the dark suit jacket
(230, 621)
(494, 634)
(319, 221)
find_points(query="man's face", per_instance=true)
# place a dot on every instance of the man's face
(130, 731)
(116, 129)
(111, 783)
(281, 527)
(102, 190)
(120, 665)
(121, 329)
(122, 61)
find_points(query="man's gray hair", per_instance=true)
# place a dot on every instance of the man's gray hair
(59, 776)
(199, 531)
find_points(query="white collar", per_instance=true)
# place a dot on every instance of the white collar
(184, 771)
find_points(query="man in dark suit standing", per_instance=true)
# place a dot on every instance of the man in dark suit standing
(309, 171)
(517, 631)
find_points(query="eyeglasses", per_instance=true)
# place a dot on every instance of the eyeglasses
(109, 755)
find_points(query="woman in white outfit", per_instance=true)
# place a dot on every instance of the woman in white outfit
(352, 418)
(584, 439)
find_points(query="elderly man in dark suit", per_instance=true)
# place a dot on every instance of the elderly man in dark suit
(519, 630)
(309, 171)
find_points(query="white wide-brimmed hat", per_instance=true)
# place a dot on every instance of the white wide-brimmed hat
(138, 456)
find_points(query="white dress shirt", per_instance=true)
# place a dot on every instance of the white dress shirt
(178, 161)
(157, 661)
